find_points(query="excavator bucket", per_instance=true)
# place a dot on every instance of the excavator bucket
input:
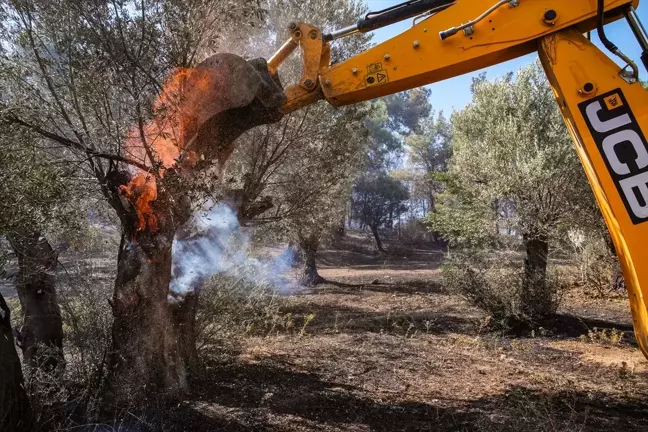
(221, 98)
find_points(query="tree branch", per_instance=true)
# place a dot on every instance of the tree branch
(73, 144)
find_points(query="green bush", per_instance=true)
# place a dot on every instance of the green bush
(498, 289)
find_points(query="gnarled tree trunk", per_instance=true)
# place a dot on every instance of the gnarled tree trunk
(538, 297)
(339, 231)
(41, 335)
(145, 359)
(15, 411)
(145, 362)
(308, 245)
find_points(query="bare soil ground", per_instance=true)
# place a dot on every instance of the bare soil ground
(389, 350)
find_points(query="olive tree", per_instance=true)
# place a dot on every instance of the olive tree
(30, 195)
(295, 177)
(82, 77)
(514, 172)
(32, 191)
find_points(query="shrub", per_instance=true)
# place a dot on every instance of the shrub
(231, 306)
(599, 269)
(497, 289)
(87, 324)
(63, 397)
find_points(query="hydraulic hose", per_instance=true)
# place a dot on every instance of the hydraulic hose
(600, 26)
(608, 44)
(390, 15)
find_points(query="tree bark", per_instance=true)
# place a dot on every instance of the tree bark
(183, 312)
(618, 281)
(538, 298)
(146, 360)
(309, 246)
(374, 231)
(41, 335)
(15, 411)
(145, 363)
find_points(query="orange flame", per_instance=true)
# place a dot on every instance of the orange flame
(142, 191)
(189, 98)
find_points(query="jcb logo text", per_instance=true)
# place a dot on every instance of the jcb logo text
(623, 147)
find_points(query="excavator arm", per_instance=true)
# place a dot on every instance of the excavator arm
(604, 105)
(437, 46)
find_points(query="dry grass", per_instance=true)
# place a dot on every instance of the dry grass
(386, 348)
(401, 354)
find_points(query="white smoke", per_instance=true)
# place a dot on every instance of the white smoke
(217, 244)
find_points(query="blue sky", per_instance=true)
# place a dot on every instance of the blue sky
(455, 93)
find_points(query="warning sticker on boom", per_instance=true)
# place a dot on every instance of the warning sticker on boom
(376, 78)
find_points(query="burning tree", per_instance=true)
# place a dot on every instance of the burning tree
(115, 87)
(193, 128)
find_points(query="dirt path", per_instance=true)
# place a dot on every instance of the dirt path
(389, 350)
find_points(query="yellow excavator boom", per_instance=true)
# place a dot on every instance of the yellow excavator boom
(607, 116)
(604, 106)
